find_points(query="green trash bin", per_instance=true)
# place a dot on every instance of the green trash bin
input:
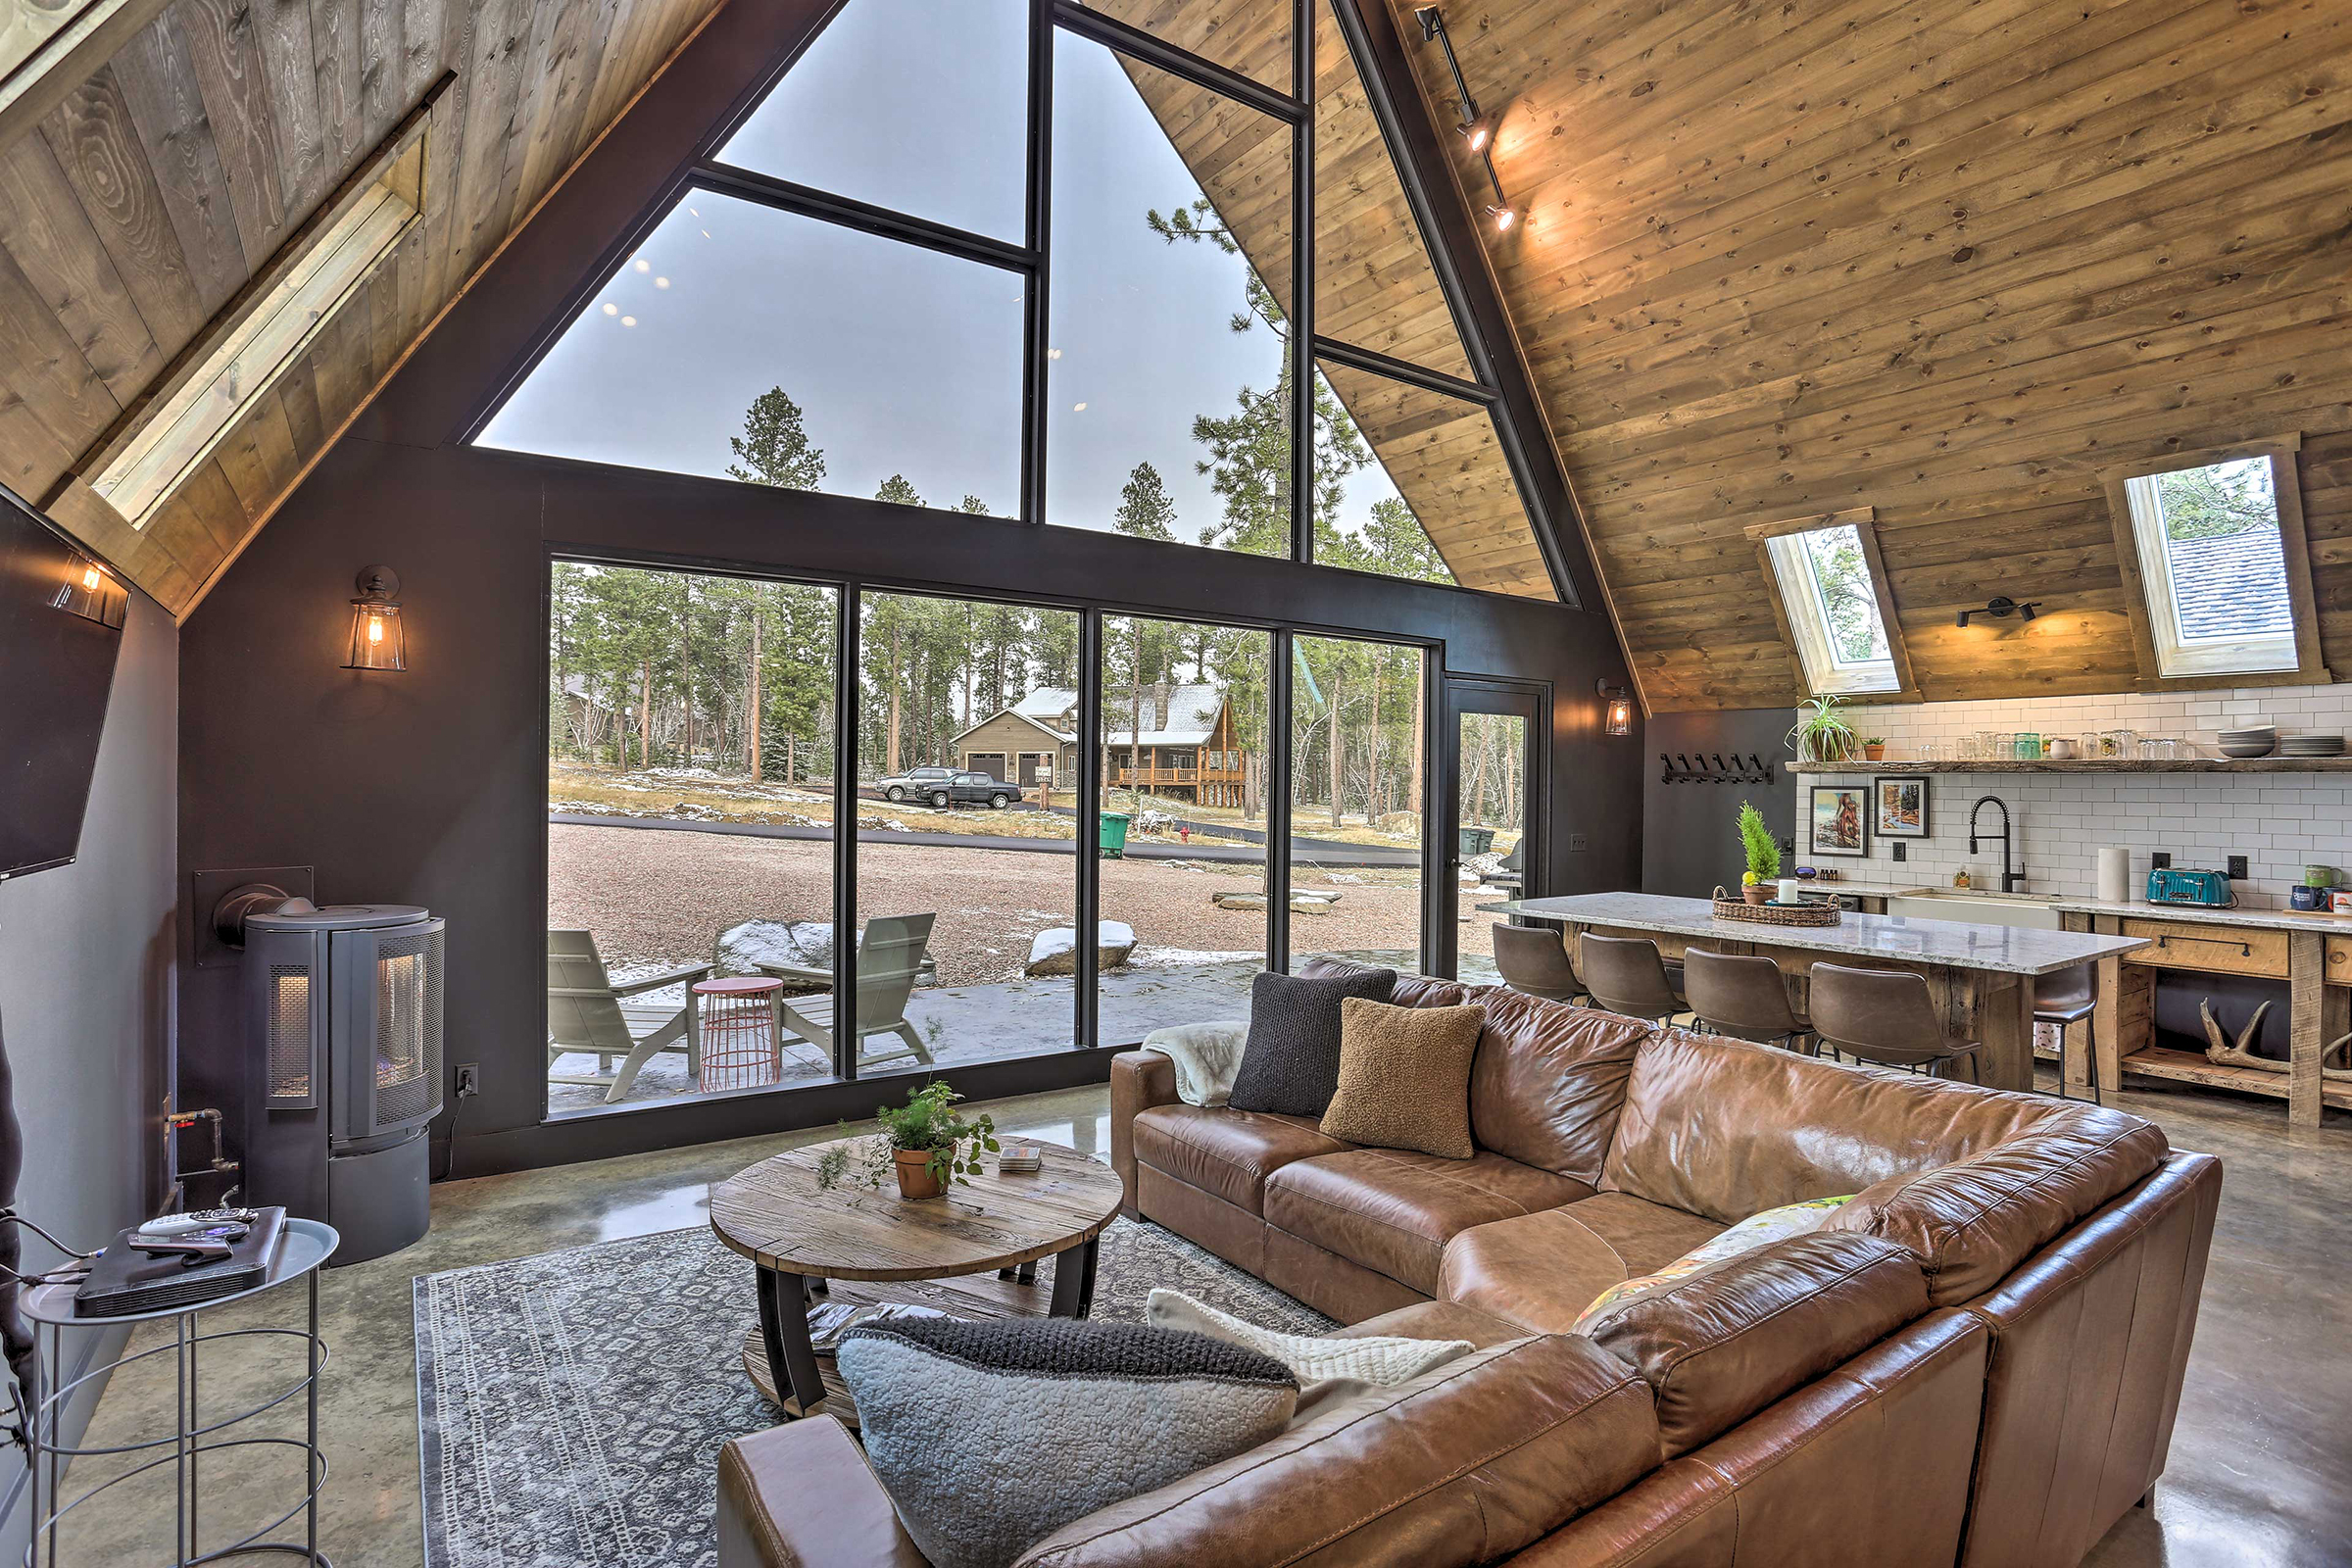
(1476, 840)
(1114, 835)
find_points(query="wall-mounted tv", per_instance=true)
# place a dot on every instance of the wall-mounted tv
(57, 667)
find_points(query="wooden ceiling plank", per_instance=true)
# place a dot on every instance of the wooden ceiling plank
(233, 79)
(158, 79)
(44, 366)
(305, 168)
(383, 95)
(43, 226)
(97, 150)
(494, 69)
(335, 67)
(422, 35)
(47, 50)
(561, 128)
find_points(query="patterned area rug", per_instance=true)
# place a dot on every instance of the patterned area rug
(572, 1406)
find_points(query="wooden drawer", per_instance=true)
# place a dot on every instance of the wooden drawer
(2219, 948)
(2339, 961)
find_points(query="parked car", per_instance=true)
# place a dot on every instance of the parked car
(944, 786)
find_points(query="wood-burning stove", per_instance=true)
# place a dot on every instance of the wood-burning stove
(343, 1030)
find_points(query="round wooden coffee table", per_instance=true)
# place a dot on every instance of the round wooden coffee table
(971, 1254)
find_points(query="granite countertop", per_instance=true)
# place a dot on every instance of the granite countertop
(1958, 943)
(2334, 925)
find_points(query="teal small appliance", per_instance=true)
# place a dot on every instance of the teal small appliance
(2210, 890)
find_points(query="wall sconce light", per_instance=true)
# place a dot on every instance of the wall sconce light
(2000, 608)
(1618, 716)
(377, 639)
(91, 592)
(1475, 128)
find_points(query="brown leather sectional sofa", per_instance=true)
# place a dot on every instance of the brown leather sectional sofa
(1976, 1364)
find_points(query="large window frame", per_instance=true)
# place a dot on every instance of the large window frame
(2167, 662)
(1792, 586)
(1031, 258)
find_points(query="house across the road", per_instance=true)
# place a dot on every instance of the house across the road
(1186, 745)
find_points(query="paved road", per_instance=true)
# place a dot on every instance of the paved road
(1303, 852)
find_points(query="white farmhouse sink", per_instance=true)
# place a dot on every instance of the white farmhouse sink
(1979, 908)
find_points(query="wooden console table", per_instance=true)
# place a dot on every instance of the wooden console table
(2310, 953)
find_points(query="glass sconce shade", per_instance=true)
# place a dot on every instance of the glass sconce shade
(378, 639)
(91, 592)
(1617, 714)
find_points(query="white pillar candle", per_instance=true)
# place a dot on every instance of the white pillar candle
(1789, 889)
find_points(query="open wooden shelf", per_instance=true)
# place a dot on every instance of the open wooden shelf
(2191, 1067)
(2132, 764)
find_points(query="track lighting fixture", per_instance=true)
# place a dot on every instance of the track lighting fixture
(1476, 128)
(2001, 607)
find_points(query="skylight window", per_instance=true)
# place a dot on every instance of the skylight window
(2215, 570)
(1830, 590)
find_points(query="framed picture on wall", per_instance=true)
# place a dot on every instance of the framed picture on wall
(1840, 820)
(1899, 808)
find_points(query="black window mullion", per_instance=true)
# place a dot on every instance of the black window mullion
(847, 625)
(1086, 1024)
(1302, 290)
(1375, 362)
(1278, 802)
(766, 190)
(1138, 44)
(1034, 370)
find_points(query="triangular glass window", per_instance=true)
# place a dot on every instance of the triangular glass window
(912, 105)
(742, 341)
(1374, 285)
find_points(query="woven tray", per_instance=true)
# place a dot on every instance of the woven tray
(1728, 907)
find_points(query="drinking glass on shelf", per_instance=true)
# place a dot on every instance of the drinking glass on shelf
(2025, 745)
(2088, 747)
(2119, 743)
(1930, 750)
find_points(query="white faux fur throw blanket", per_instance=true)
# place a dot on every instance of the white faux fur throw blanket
(1207, 1056)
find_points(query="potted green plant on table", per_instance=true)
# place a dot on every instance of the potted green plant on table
(1821, 732)
(1763, 852)
(924, 1142)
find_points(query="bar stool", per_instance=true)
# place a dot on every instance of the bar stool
(2067, 998)
(1534, 959)
(1625, 974)
(1744, 995)
(1886, 1016)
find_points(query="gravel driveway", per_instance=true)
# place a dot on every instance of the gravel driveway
(661, 898)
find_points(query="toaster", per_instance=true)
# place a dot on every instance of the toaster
(2173, 885)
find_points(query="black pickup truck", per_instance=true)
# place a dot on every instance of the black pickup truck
(944, 786)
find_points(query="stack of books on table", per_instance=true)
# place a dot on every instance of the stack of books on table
(1020, 1159)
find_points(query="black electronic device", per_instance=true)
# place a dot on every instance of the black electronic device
(127, 1280)
(57, 667)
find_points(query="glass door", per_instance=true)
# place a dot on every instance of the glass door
(1496, 735)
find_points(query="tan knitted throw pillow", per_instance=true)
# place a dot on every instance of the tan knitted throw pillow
(1405, 1077)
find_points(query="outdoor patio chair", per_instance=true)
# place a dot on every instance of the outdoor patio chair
(586, 1013)
(890, 958)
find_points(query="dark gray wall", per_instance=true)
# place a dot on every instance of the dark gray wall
(85, 991)
(1689, 837)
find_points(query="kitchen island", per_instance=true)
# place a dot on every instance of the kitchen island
(1980, 976)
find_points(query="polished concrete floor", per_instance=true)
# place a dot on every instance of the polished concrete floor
(2261, 1470)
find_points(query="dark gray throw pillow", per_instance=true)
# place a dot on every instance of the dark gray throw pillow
(990, 1435)
(1291, 1063)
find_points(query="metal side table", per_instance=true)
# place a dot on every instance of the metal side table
(304, 1246)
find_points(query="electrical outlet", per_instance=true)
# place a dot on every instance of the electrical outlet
(1576, 842)
(1903, 852)
(469, 1079)
(2238, 868)
(2160, 860)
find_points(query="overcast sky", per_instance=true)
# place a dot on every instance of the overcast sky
(902, 360)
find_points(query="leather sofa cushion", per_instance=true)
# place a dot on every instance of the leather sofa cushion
(1393, 1211)
(1436, 1320)
(1409, 991)
(1728, 1341)
(1226, 1152)
(765, 1481)
(1727, 1129)
(1979, 1219)
(1463, 1465)
(1543, 1270)
(1549, 1081)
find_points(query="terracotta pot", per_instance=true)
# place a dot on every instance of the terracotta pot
(1875, 753)
(915, 1179)
(1758, 893)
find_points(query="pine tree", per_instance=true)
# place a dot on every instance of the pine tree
(1146, 510)
(773, 447)
(896, 488)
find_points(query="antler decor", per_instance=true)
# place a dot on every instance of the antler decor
(2219, 1051)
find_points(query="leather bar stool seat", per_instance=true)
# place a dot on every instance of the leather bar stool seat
(1744, 995)
(1626, 975)
(1887, 1016)
(2068, 998)
(1534, 959)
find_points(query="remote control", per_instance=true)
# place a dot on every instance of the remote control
(202, 1219)
(190, 1252)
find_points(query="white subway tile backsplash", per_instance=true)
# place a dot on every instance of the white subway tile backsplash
(2281, 822)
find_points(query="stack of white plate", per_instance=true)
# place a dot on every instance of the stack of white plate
(2312, 746)
(2258, 741)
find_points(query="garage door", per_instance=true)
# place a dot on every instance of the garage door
(989, 762)
(1031, 763)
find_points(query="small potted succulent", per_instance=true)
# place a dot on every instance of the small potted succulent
(1821, 732)
(924, 1142)
(1763, 852)
(1874, 749)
